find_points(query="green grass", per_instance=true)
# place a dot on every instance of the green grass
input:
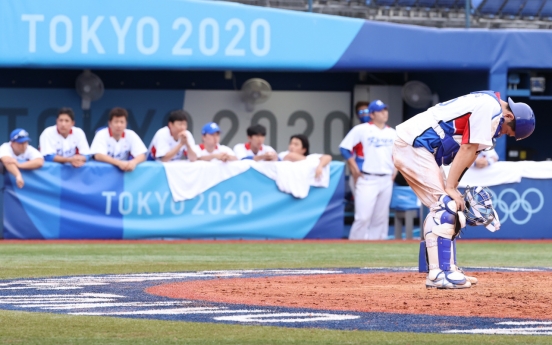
(39, 260)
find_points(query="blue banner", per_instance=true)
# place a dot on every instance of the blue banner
(522, 209)
(100, 202)
(168, 34)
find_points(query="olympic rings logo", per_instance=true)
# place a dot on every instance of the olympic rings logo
(520, 201)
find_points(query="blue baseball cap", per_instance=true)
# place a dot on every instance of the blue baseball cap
(210, 128)
(19, 135)
(376, 105)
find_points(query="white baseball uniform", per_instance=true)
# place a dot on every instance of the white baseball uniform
(128, 145)
(29, 154)
(473, 118)
(243, 151)
(53, 143)
(490, 155)
(374, 188)
(201, 151)
(163, 142)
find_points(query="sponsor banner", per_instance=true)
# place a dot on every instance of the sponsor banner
(522, 210)
(169, 34)
(98, 201)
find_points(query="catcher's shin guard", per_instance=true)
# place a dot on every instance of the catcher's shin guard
(440, 227)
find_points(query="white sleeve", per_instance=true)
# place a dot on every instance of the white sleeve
(282, 155)
(99, 144)
(351, 139)
(269, 149)
(161, 146)
(314, 156)
(479, 130)
(82, 143)
(5, 150)
(239, 151)
(191, 140)
(45, 145)
(197, 151)
(137, 146)
(493, 154)
(32, 153)
(228, 150)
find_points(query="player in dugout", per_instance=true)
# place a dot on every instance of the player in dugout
(255, 148)
(453, 132)
(63, 142)
(174, 141)
(211, 149)
(19, 155)
(118, 145)
(298, 149)
(363, 115)
(373, 182)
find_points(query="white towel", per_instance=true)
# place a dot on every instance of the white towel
(295, 178)
(187, 180)
(505, 172)
(537, 170)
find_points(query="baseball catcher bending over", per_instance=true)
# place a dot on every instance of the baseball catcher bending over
(454, 132)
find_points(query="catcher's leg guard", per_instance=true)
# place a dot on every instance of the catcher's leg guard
(454, 265)
(439, 229)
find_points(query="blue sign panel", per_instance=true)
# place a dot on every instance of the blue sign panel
(99, 201)
(522, 209)
(169, 34)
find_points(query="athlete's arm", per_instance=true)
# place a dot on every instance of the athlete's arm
(31, 164)
(324, 160)
(131, 165)
(169, 155)
(462, 161)
(100, 157)
(11, 165)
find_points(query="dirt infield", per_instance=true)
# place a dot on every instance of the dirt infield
(498, 294)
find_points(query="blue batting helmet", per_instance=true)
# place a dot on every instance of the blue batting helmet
(525, 119)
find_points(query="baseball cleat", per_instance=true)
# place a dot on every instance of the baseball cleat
(472, 280)
(448, 280)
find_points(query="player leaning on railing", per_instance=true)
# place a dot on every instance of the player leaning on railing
(454, 132)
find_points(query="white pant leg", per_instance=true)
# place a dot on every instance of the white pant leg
(352, 184)
(378, 229)
(420, 170)
(366, 195)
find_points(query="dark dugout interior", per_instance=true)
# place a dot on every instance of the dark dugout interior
(447, 84)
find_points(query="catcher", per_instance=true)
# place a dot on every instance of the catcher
(454, 132)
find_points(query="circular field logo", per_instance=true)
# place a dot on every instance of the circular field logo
(505, 301)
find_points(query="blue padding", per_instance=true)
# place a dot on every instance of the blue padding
(345, 153)
(491, 7)
(330, 223)
(531, 8)
(512, 7)
(454, 249)
(422, 259)
(546, 11)
(446, 152)
(443, 247)
(49, 158)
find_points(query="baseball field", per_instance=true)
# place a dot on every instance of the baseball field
(268, 292)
